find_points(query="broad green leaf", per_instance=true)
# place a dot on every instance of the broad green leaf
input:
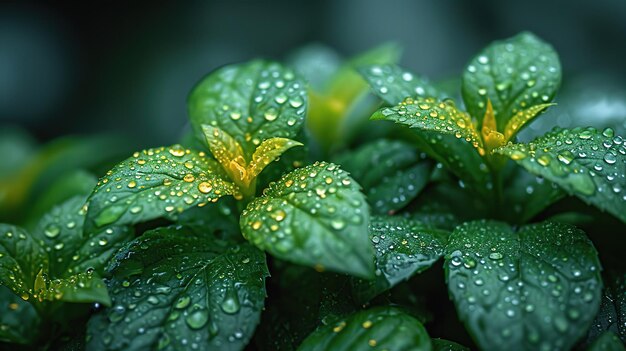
(268, 152)
(394, 84)
(434, 115)
(584, 162)
(313, 216)
(21, 259)
(607, 342)
(59, 261)
(392, 173)
(173, 289)
(612, 314)
(526, 195)
(251, 102)
(72, 250)
(515, 74)
(446, 345)
(154, 183)
(445, 133)
(535, 288)
(19, 321)
(403, 247)
(81, 287)
(379, 328)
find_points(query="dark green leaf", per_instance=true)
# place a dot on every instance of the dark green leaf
(445, 133)
(612, 314)
(177, 290)
(445, 345)
(21, 259)
(403, 248)
(379, 328)
(154, 183)
(392, 173)
(251, 101)
(313, 216)
(393, 84)
(607, 342)
(584, 162)
(514, 74)
(536, 288)
(528, 195)
(70, 249)
(19, 321)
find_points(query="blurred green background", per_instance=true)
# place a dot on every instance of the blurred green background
(110, 77)
(128, 66)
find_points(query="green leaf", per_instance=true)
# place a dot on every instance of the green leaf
(59, 261)
(403, 247)
(177, 290)
(313, 216)
(584, 162)
(391, 187)
(445, 133)
(514, 74)
(379, 328)
(393, 84)
(612, 314)
(154, 183)
(21, 259)
(535, 288)
(344, 97)
(316, 63)
(528, 195)
(73, 183)
(19, 322)
(446, 345)
(434, 115)
(607, 342)
(252, 102)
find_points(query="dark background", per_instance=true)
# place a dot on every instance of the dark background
(127, 67)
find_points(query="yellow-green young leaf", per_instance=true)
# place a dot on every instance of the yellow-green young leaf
(393, 83)
(224, 147)
(529, 289)
(154, 183)
(176, 289)
(332, 105)
(267, 152)
(584, 162)
(431, 114)
(251, 102)
(515, 74)
(313, 216)
(378, 328)
(19, 321)
(521, 118)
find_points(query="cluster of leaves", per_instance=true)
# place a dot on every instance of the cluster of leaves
(170, 249)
